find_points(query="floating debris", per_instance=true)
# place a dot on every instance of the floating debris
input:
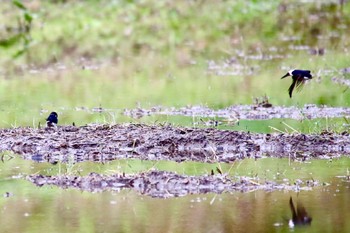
(262, 102)
(7, 194)
(317, 51)
(162, 184)
(342, 81)
(346, 70)
(104, 143)
(261, 110)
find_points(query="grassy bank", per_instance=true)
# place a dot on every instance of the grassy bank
(120, 54)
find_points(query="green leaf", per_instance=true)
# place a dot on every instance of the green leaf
(28, 17)
(19, 53)
(10, 41)
(19, 4)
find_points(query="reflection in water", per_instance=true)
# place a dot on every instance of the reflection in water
(52, 209)
(161, 184)
(299, 215)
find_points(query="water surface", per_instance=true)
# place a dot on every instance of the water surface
(27, 208)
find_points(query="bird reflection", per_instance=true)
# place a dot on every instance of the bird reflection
(300, 216)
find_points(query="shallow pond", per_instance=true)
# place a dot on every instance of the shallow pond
(235, 117)
(25, 207)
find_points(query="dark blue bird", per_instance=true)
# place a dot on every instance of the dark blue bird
(52, 120)
(299, 77)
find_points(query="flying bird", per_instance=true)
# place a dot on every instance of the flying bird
(299, 77)
(52, 120)
(299, 215)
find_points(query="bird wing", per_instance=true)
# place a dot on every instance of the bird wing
(292, 208)
(301, 212)
(302, 215)
(299, 82)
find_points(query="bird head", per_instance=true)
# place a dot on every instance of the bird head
(54, 114)
(288, 74)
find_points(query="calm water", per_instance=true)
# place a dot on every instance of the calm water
(28, 208)
(115, 116)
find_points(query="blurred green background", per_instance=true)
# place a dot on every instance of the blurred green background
(59, 55)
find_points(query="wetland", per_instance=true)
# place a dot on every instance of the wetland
(172, 116)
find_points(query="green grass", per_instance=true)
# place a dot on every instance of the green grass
(156, 53)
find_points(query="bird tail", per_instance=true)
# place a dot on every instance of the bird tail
(291, 88)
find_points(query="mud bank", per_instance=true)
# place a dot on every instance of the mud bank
(109, 142)
(163, 184)
(260, 111)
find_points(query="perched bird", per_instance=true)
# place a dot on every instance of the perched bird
(299, 77)
(52, 120)
(299, 215)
